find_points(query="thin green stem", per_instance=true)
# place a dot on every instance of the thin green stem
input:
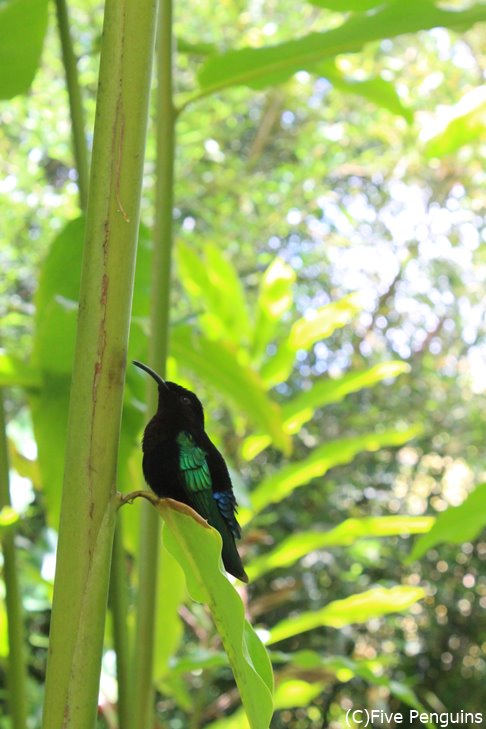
(119, 608)
(160, 313)
(17, 672)
(89, 501)
(75, 102)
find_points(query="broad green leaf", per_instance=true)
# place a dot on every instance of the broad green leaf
(375, 89)
(315, 665)
(304, 333)
(197, 548)
(215, 283)
(282, 483)
(49, 415)
(302, 407)
(456, 525)
(217, 365)
(323, 322)
(14, 372)
(275, 297)
(465, 123)
(170, 594)
(57, 298)
(260, 67)
(22, 29)
(355, 609)
(299, 545)
(295, 692)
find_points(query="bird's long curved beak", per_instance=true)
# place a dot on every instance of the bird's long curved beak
(151, 372)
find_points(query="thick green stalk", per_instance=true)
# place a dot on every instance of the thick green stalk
(118, 576)
(17, 672)
(160, 313)
(75, 102)
(89, 500)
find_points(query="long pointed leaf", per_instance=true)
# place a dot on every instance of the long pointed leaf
(279, 485)
(299, 545)
(197, 548)
(355, 609)
(302, 407)
(260, 67)
(456, 525)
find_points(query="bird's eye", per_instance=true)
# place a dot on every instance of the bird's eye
(186, 400)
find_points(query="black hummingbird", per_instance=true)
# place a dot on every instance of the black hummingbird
(181, 462)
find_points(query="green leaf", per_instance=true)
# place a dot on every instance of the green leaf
(279, 485)
(355, 609)
(466, 122)
(214, 282)
(171, 590)
(22, 29)
(456, 525)
(275, 298)
(57, 298)
(304, 333)
(217, 365)
(14, 372)
(377, 90)
(197, 548)
(301, 408)
(260, 67)
(50, 415)
(299, 545)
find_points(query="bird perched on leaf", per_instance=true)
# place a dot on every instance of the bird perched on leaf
(180, 462)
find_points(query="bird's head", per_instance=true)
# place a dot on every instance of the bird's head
(177, 406)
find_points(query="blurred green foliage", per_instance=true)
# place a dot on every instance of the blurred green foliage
(327, 307)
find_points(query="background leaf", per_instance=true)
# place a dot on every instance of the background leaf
(279, 485)
(457, 524)
(22, 29)
(299, 545)
(260, 67)
(354, 609)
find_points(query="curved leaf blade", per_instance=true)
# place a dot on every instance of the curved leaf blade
(260, 67)
(22, 29)
(301, 408)
(282, 483)
(456, 525)
(355, 609)
(197, 548)
(349, 531)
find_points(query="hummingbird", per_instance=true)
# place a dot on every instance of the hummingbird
(180, 462)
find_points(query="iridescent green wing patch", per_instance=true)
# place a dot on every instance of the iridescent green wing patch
(193, 464)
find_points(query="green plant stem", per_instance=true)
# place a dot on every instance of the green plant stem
(158, 348)
(89, 501)
(17, 673)
(75, 102)
(119, 609)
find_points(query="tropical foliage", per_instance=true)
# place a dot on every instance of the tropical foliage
(325, 306)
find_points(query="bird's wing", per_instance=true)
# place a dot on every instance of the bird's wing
(194, 469)
(197, 482)
(217, 507)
